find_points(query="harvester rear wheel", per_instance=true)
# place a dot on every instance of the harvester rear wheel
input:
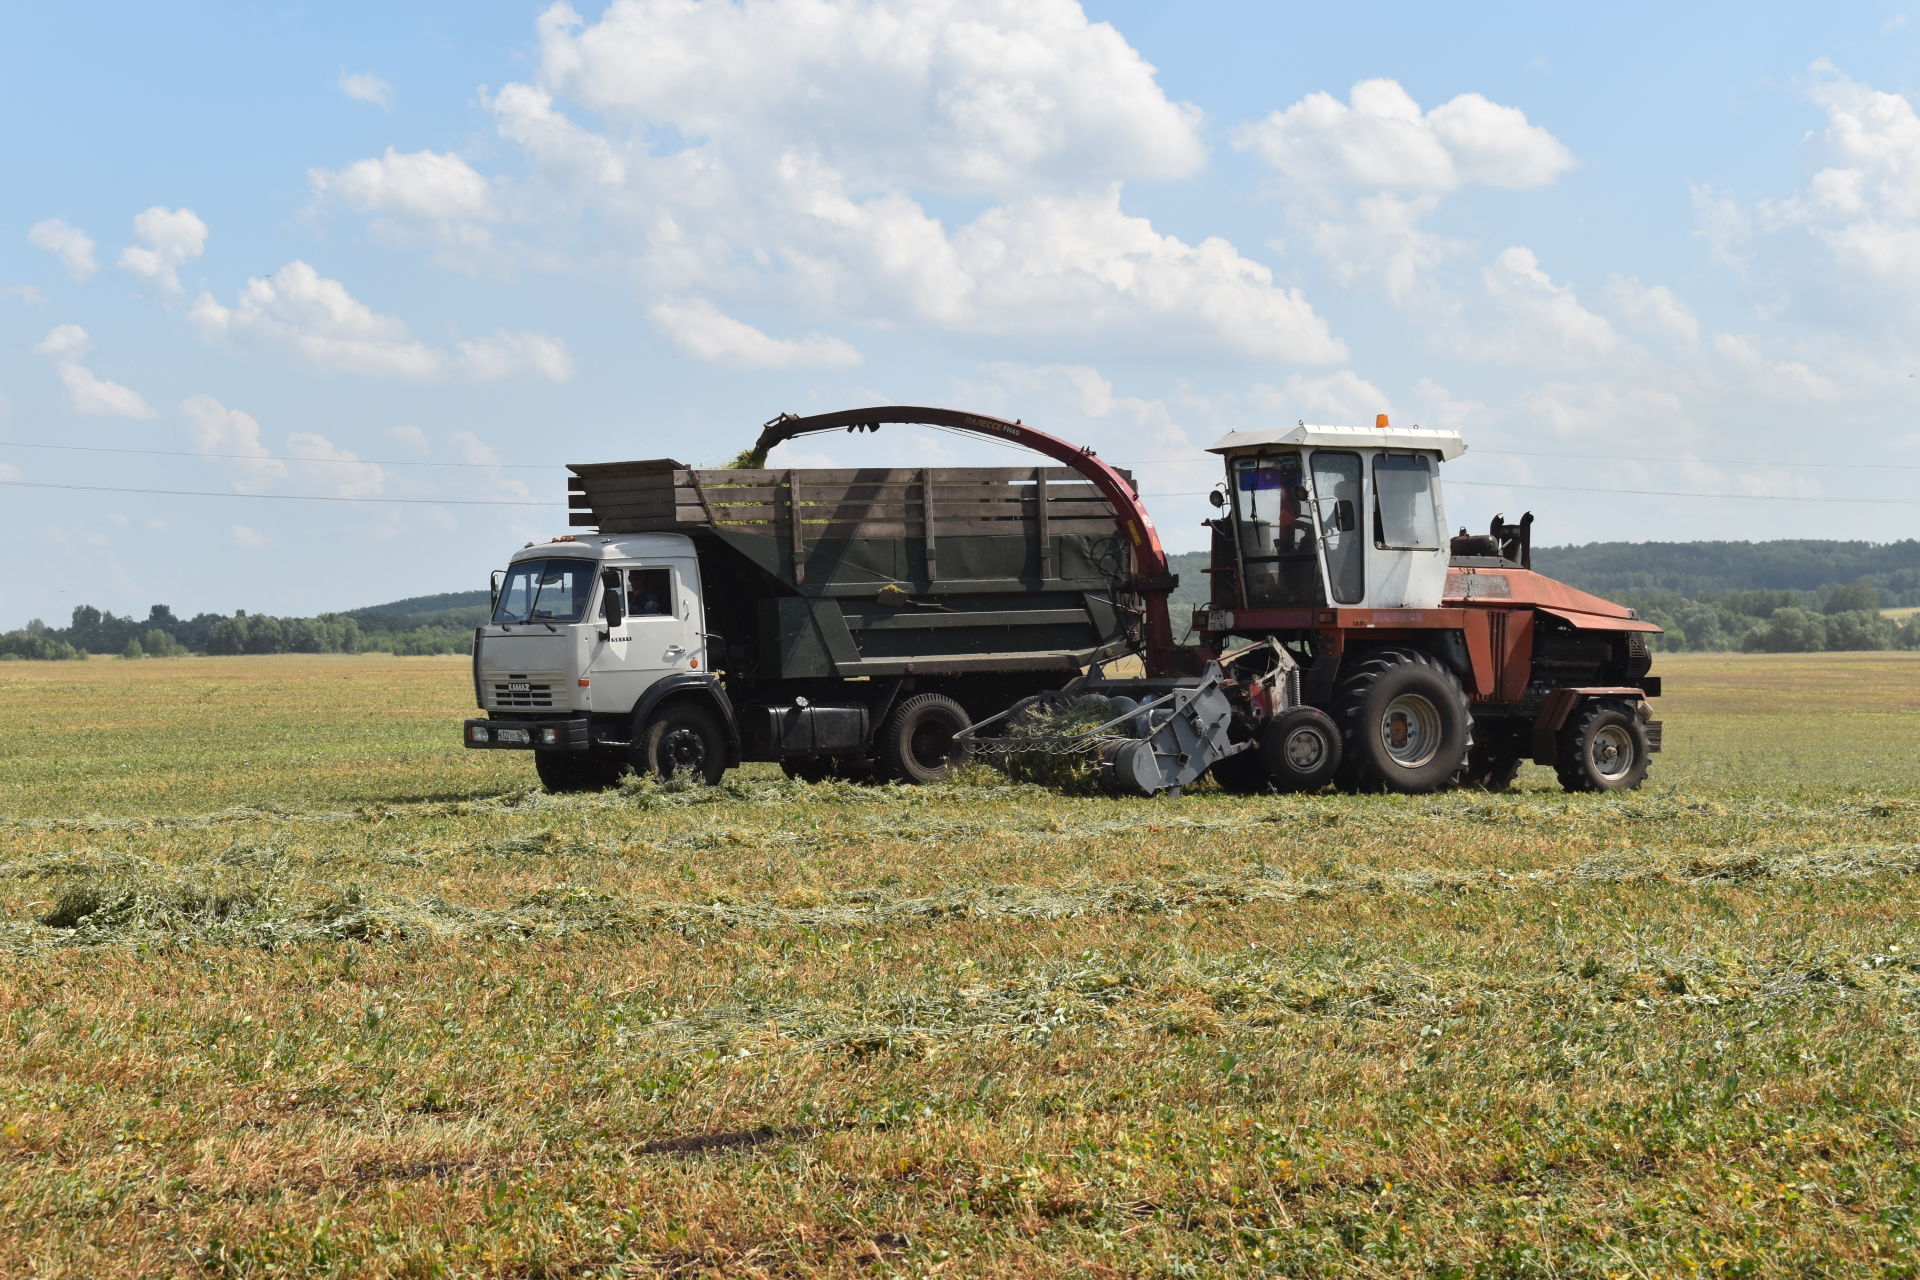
(1602, 748)
(594, 770)
(683, 739)
(1404, 722)
(916, 743)
(1300, 749)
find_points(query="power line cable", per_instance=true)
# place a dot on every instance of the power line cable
(279, 497)
(268, 457)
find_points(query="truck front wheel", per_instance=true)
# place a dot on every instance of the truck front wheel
(682, 739)
(1406, 723)
(916, 743)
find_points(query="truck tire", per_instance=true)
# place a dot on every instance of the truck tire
(1300, 750)
(593, 770)
(916, 743)
(1490, 768)
(1404, 724)
(1602, 748)
(682, 739)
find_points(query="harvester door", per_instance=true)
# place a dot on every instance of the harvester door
(1407, 552)
(659, 636)
(1337, 497)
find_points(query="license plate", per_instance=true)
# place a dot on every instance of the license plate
(519, 688)
(513, 735)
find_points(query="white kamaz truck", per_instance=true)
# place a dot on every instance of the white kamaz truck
(841, 622)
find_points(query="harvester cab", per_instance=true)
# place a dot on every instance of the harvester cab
(1318, 517)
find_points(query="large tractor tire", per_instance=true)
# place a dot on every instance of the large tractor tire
(1603, 747)
(916, 742)
(1404, 724)
(592, 770)
(682, 739)
(1300, 750)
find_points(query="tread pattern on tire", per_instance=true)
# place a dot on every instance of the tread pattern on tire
(714, 732)
(1357, 771)
(1491, 770)
(1569, 760)
(892, 752)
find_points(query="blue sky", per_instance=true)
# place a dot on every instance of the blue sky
(1655, 252)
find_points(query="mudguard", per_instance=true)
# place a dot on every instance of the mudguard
(705, 685)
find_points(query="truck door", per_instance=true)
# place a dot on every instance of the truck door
(660, 636)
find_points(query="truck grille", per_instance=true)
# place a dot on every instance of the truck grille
(521, 693)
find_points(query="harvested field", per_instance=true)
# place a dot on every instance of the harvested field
(298, 987)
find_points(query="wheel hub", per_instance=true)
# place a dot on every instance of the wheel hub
(1410, 730)
(1612, 751)
(1305, 749)
(683, 749)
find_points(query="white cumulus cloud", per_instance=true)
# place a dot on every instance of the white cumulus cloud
(167, 239)
(248, 539)
(300, 310)
(1381, 140)
(698, 328)
(976, 95)
(214, 428)
(66, 242)
(366, 86)
(428, 185)
(87, 392)
(1652, 308)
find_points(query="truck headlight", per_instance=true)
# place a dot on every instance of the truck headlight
(477, 733)
(549, 737)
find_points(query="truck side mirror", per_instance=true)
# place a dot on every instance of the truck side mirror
(1344, 518)
(493, 591)
(611, 604)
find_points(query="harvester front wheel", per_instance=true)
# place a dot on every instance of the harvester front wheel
(917, 744)
(1602, 748)
(683, 739)
(594, 770)
(1404, 722)
(1300, 749)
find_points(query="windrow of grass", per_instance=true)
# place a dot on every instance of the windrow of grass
(404, 1016)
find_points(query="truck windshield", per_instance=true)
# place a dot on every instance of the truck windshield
(554, 590)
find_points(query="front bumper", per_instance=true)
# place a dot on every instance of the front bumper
(559, 733)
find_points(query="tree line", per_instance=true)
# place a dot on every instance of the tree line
(162, 634)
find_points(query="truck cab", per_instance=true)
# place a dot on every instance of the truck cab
(585, 630)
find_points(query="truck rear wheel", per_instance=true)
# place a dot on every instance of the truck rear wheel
(683, 739)
(593, 770)
(1300, 749)
(1404, 722)
(916, 743)
(1602, 748)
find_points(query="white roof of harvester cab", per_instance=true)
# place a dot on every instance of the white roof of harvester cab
(1306, 435)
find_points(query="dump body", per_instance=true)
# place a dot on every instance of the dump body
(813, 574)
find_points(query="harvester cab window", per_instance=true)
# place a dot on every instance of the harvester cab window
(554, 590)
(1336, 488)
(649, 593)
(1276, 531)
(1404, 516)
